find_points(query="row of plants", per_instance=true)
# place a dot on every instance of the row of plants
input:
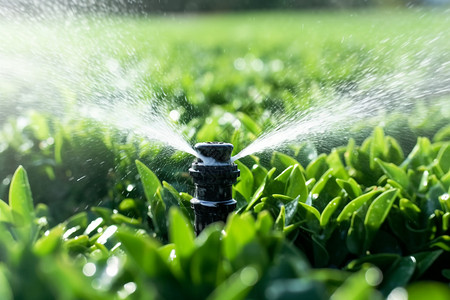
(361, 222)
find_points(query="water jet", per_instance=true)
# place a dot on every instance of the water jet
(213, 174)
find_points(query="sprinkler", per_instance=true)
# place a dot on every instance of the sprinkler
(213, 174)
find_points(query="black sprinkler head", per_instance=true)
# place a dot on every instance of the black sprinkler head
(214, 175)
(221, 152)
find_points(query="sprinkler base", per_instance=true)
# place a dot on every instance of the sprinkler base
(207, 212)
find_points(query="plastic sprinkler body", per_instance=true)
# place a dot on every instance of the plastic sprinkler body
(214, 175)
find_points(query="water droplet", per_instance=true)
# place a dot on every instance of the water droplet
(89, 269)
(174, 115)
(239, 64)
(373, 276)
(398, 293)
(107, 234)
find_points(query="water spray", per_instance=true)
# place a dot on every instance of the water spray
(214, 174)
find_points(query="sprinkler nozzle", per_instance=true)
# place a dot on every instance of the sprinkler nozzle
(214, 175)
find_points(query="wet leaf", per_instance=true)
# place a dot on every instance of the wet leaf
(260, 191)
(424, 260)
(395, 173)
(377, 213)
(317, 167)
(355, 204)
(20, 199)
(5, 212)
(356, 235)
(136, 246)
(410, 210)
(281, 161)
(351, 187)
(181, 233)
(355, 287)
(237, 285)
(334, 161)
(399, 274)
(323, 191)
(443, 158)
(280, 222)
(245, 181)
(49, 242)
(291, 210)
(329, 211)
(378, 146)
(296, 186)
(151, 183)
(442, 242)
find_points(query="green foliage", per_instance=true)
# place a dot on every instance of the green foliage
(365, 220)
(383, 235)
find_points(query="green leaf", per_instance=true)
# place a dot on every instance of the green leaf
(384, 261)
(151, 183)
(259, 175)
(395, 152)
(377, 213)
(355, 204)
(5, 288)
(240, 230)
(317, 167)
(329, 210)
(49, 242)
(237, 285)
(442, 242)
(144, 251)
(152, 190)
(424, 260)
(446, 273)
(399, 274)
(260, 191)
(421, 154)
(446, 221)
(308, 215)
(351, 187)
(296, 186)
(280, 222)
(182, 199)
(205, 266)
(284, 177)
(410, 210)
(245, 181)
(264, 222)
(121, 219)
(443, 134)
(248, 122)
(356, 235)
(323, 191)
(281, 161)
(5, 212)
(378, 146)
(335, 162)
(355, 287)
(443, 158)
(395, 173)
(181, 233)
(291, 210)
(78, 244)
(20, 199)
